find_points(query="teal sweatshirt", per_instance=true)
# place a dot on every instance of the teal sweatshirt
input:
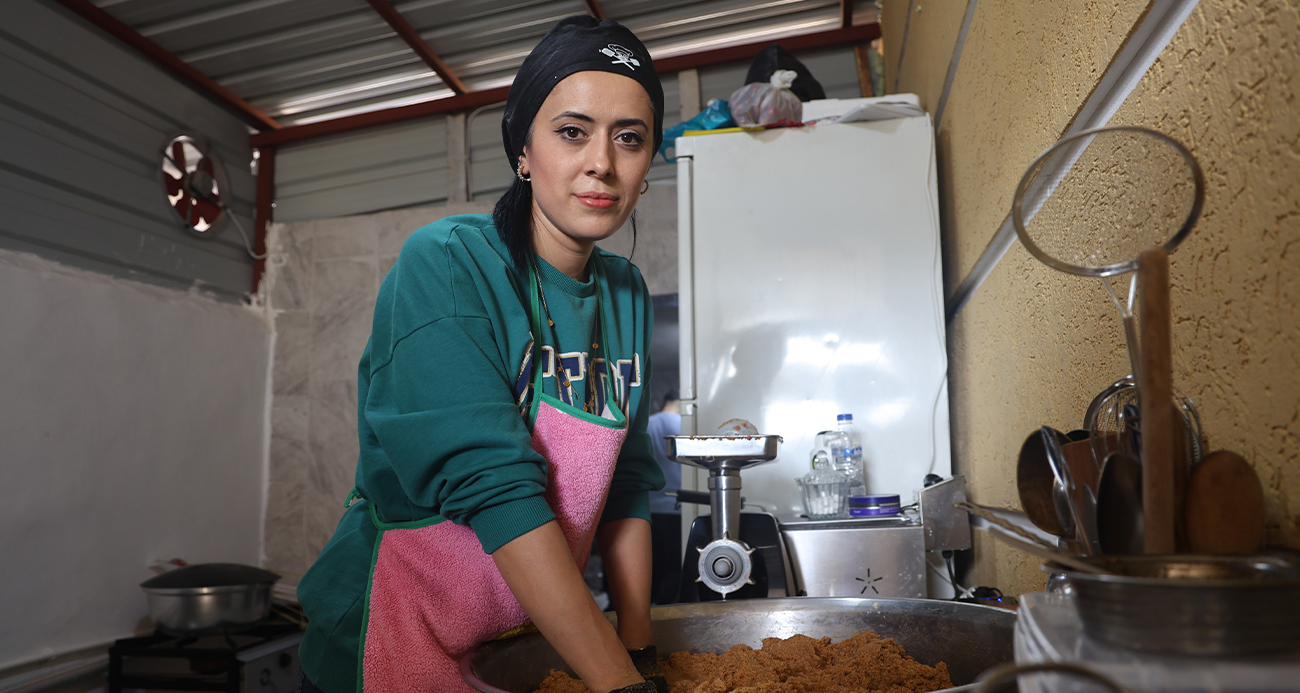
(443, 390)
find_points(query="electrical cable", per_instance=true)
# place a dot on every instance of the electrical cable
(952, 574)
(937, 296)
(958, 590)
(242, 233)
(469, 151)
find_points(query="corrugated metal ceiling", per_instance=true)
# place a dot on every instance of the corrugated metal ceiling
(304, 61)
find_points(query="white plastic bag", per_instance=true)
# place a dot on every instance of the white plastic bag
(761, 103)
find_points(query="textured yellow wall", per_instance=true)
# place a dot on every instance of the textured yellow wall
(1034, 346)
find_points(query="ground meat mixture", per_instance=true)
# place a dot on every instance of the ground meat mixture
(864, 663)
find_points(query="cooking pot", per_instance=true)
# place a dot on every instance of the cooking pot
(969, 638)
(209, 598)
(1191, 605)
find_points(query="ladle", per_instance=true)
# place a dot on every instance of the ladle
(1119, 506)
(1078, 505)
(1034, 480)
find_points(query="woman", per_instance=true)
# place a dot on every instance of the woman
(503, 400)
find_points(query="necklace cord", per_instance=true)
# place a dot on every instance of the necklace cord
(562, 374)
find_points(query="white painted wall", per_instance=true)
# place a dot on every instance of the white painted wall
(132, 429)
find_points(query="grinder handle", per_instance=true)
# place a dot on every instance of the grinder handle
(684, 496)
(696, 497)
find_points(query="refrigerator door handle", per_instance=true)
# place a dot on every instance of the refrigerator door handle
(686, 281)
(692, 479)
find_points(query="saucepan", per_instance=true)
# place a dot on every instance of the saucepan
(209, 598)
(969, 638)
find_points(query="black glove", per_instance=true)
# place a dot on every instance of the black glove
(643, 687)
(646, 661)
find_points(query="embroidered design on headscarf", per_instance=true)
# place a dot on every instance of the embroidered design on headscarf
(621, 56)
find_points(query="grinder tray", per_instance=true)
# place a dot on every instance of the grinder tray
(734, 451)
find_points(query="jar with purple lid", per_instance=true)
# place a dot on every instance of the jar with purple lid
(878, 505)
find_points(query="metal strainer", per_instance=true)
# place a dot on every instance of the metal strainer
(1093, 201)
(1112, 420)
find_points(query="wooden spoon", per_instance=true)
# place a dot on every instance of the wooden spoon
(1159, 506)
(1224, 509)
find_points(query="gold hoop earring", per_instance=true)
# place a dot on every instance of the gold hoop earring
(646, 187)
(519, 173)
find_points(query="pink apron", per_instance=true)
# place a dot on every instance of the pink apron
(434, 595)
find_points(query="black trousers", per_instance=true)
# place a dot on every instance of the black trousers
(666, 557)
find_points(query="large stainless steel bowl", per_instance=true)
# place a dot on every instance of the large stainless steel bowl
(968, 637)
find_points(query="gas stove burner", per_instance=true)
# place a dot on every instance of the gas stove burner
(259, 659)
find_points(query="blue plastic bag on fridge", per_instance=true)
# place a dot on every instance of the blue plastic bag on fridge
(717, 114)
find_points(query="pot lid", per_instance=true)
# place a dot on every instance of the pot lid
(211, 575)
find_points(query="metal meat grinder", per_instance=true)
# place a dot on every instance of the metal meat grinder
(726, 563)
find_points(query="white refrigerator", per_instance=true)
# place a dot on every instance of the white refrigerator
(810, 285)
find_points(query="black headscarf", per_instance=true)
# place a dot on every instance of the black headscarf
(577, 43)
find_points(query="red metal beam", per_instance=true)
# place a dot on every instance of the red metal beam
(846, 13)
(264, 211)
(418, 44)
(822, 39)
(594, 9)
(171, 63)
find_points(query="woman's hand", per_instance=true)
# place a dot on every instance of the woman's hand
(540, 571)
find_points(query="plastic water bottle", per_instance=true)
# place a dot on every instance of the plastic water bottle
(846, 453)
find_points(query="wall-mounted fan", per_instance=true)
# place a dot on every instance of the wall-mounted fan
(195, 184)
(192, 179)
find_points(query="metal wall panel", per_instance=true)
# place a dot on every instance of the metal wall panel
(367, 171)
(489, 172)
(836, 69)
(84, 122)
